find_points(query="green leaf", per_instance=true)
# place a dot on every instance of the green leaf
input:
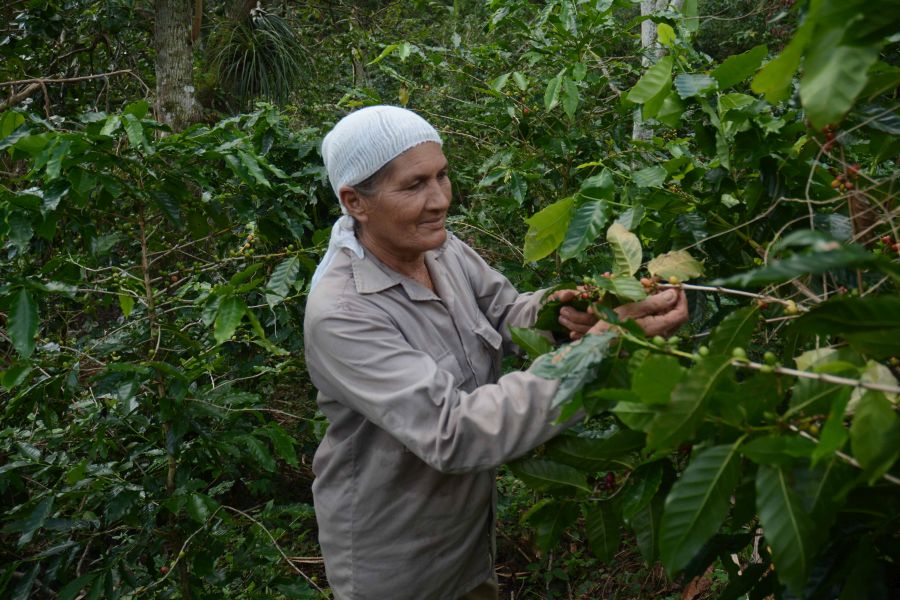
(499, 83)
(788, 528)
(778, 449)
(71, 589)
(252, 164)
(575, 364)
(126, 303)
(521, 81)
(589, 453)
(283, 443)
(23, 322)
(57, 154)
(626, 248)
(729, 102)
(645, 524)
(834, 434)
(550, 520)
(547, 229)
(283, 277)
(23, 589)
(653, 105)
(586, 225)
(691, 19)
(636, 415)
(677, 421)
(551, 94)
(774, 79)
(168, 204)
(650, 177)
(15, 375)
(627, 288)
(259, 452)
(656, 377)
(602, 525)
(384, 54)
(670, 111)
(739, 67)
(875, 435)
(833, 76)
(200, 507)
(642, 485)
(652, 82)
(532, 341)
(542, 474)
(677, 263)
(113, 122)
(665, 34)
(698, 504)
(689, 85)
(35, 520)
(231, 311)
(134, 131)
(570, 97)
(734, 331)
(871, 325)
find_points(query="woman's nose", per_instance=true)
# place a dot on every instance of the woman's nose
(438, 195)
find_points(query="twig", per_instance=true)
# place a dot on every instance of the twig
(45, 80)
(845, 457)
(721, 290)
(826, 377)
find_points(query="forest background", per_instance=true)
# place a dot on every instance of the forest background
(163, 205)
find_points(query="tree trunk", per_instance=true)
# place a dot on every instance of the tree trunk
(176, 104)
(651, 52)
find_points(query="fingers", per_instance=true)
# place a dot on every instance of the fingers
(655, 304)
(563, 295)
(667, 322)
(576, 320)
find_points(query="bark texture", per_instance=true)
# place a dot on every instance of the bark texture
(651, 52)
(176, 103)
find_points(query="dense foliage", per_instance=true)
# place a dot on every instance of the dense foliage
(156, 423)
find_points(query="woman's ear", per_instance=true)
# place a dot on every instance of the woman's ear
(354, 203)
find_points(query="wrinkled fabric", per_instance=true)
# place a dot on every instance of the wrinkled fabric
(419, 419)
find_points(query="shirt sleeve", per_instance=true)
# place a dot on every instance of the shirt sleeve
(500, 302)
(360, 359)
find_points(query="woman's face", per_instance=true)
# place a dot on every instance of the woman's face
(405, 216)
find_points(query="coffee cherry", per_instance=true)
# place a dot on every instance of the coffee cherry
(164, 569)
(739, 353)
(770, 358)
(674, 340)
(659, 341)
(674, 280)
(790, 307)
(703, 351)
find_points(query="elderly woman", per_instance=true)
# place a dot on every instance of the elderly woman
(405, 330)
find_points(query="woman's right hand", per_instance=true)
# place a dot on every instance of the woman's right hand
(659, 314)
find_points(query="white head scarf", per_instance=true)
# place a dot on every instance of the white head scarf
(354, 150)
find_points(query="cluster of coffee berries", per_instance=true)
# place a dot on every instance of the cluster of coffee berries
(845, 181)
(890, 243)
(608, 483)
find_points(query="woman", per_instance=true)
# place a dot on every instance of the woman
(405, 330)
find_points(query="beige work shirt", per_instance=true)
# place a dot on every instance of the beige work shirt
(419, 418)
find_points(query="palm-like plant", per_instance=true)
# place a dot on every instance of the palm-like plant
(258, 56)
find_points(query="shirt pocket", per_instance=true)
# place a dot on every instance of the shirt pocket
(492, 343)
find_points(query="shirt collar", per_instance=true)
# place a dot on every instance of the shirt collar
(372, 276)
